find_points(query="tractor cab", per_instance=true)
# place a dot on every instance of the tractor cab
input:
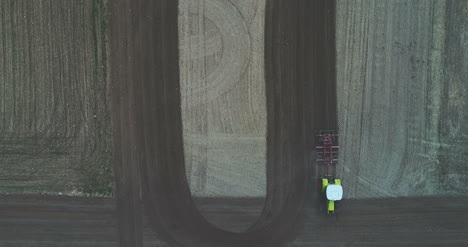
(333, 191)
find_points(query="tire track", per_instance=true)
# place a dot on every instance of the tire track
(49, 221)
(218, 68)
(299, 65)
(396, 59)
(55, 121)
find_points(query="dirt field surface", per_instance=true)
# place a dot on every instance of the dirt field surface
(54, 103)
(59, 222)
(163, 129)
(300, 97)
(53, 221)
(223, 96)
(402, 92)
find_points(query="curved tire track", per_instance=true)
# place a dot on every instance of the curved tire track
(235, 58)
(148, 125)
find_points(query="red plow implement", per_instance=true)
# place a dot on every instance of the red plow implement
(327, 151)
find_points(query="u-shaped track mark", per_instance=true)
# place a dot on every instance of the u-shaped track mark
(148, 126)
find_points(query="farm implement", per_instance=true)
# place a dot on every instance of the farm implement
(327, 159)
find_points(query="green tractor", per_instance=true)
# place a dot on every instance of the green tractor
(333, 192)
(327, 157)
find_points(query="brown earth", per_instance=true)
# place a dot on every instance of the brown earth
(402, 97)
(55, 134)
(301, 96)
(300, 92)
(221, 60)
(72, 221)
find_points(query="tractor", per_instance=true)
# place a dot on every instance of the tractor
(327, 158)
(333, 192)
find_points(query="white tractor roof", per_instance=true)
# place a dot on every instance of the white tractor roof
(334, 192)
